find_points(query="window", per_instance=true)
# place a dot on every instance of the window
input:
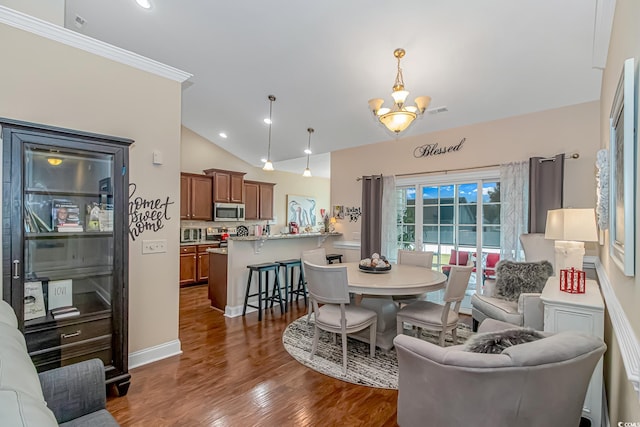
(445, 213)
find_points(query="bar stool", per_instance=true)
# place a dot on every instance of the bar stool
(263, 296)
(289, 266)
(333, 257)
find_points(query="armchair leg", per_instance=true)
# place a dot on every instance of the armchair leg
(474, 327)
(454, 335)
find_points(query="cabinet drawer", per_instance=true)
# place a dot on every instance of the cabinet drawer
(56, 336)
(188, 249)
(203, 248)
(100, 347)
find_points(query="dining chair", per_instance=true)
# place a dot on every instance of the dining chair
(329, 286)
(420, 259)
(437, 317)
(313, 256)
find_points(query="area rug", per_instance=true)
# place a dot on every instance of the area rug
(380, 372)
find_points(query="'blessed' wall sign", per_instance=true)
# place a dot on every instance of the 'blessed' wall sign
(433, 149)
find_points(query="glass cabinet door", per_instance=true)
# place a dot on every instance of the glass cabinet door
(68, 228)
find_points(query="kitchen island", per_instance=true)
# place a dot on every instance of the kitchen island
(243, 251)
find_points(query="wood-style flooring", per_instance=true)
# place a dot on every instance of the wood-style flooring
(236, 372)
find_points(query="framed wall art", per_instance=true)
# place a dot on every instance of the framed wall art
(301, 210)
(622, 166)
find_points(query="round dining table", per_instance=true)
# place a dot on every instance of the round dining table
(377, 289)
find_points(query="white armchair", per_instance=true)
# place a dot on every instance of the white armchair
(520, 305)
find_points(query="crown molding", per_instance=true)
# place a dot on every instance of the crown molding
(627, 340)
(63, 35)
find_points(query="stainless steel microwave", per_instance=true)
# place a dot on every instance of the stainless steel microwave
(228, 212)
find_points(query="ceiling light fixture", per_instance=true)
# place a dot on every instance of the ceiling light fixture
(223, 135)
(146, 4)
(268, 166)
(399, 117)
(307, 171)
(54, 161)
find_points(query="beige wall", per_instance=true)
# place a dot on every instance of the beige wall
(625, 43)
(47, 10)
(51, 83)
(199, 154)
(564, 130)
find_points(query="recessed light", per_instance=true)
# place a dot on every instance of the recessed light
(307, 151)
(267, 121)
(222, 135)
(144, 3)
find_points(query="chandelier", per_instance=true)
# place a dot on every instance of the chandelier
(307, 171)
(400, 116)
(268, 165)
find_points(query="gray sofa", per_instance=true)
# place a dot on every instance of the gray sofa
(73, 395)
(539, 383)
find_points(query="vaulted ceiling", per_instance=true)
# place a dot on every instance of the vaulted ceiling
(323, 60)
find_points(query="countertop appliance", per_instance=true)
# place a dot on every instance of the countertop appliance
(228, 211)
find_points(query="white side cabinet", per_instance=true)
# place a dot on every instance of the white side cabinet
(581, 313)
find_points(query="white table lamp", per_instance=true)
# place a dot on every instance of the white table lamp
(570, 228)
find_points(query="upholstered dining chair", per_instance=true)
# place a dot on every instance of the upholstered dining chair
(437, 317)
(313, 256)
(419, 258)
(330, 287)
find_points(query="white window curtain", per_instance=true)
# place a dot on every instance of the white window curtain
(514, 197)
(389, 218)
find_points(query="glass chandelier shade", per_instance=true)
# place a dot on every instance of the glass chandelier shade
(307, 171)
(268, 165)
(400, 116)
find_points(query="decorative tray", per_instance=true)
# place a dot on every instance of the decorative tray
(374, 269)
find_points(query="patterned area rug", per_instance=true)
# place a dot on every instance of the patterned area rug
(380, 372)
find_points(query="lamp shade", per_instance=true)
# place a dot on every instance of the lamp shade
(571, 224)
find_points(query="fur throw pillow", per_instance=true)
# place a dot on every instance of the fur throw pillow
(496, 342)
(514, 278)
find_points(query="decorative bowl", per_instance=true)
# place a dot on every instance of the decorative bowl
(366, 269)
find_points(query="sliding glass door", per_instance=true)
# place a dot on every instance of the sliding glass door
(458, 218)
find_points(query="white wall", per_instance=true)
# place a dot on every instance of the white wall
(547, 133)
(624, 43)
(46, 82)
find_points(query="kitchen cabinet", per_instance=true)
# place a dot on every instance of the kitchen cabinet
(218, 280)
(194, 263)
(77, 259)
(258, 200)
(196, 197)
(188, 265)
(228, 186)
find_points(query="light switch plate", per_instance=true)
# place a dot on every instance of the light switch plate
(154, 246)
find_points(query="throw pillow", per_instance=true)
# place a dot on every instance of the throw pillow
(496, 342)
(514, 278)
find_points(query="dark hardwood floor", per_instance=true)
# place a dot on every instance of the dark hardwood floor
(235, 372)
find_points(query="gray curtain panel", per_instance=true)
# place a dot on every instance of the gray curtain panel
(371, 228)
(546, 178)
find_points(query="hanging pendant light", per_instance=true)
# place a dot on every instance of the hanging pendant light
(307, 171)
(268, 165)
(399, 117)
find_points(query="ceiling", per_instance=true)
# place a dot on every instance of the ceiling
(323, 60)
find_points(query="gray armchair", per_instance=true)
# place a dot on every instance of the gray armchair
(539, 383)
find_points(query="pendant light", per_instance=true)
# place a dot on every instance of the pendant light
(307, 171)
(268, 166)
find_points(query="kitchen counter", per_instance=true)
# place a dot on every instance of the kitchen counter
(201, 242)
(283, 236)
(222, 251)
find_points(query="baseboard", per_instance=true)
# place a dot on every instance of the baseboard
(155, 353)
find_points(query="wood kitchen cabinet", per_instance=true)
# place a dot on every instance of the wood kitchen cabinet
(196, 197)
(218, 280)
(228, 186)
(194, 263)
(258, 200)
(188, 265)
